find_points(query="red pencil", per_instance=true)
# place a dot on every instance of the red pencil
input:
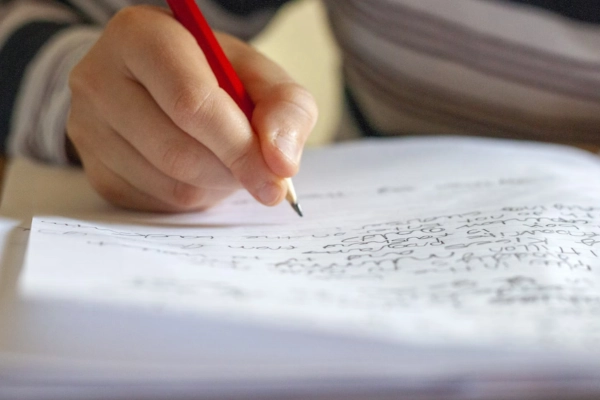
(190, 16)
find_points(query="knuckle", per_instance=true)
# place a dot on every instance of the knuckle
(180, 163)
(193, 107)
(236, 162)
(122, 24)
(238, 165)
(127, 17)
(187, 197)
(129, 26)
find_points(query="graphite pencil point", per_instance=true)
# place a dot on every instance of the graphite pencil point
(297, 208)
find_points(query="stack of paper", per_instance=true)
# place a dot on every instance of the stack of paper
(424, 268)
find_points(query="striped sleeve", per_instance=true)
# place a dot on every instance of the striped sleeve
(40, 41)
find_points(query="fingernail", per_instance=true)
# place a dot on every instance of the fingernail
(269, 193)
(287, 142)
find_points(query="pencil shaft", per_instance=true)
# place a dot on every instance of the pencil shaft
(190, 16)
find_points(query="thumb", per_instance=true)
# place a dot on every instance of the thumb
(285, 113)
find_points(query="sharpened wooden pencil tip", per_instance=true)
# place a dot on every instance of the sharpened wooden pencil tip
(292, 198)
(297, 208)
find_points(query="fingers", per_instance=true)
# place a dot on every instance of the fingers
(120, 192)
(126, 178)
(285, 112)
(172, 68)
(127, 143)
(155, 132)
(164, 145)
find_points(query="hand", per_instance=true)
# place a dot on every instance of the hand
(154, 131)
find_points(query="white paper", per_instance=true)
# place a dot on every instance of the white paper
(439, 268)
(431, 242)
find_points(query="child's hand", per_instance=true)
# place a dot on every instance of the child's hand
(155, 132)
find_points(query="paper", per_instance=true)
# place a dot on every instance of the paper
(443, 242)
(218, 305)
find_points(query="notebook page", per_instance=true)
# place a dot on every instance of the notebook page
(426, 241)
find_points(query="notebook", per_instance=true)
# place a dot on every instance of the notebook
(438, 267)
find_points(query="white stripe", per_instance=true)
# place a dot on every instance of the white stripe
(521, 24)
(38, 128)
(19, 14)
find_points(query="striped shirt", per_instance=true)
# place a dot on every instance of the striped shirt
(508, 68)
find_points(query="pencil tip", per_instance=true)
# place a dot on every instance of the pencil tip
(297, 208)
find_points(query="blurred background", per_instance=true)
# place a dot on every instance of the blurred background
(300, 40)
